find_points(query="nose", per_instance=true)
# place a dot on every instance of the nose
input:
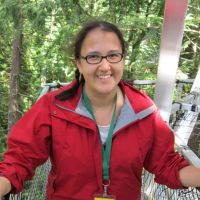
(104, 65)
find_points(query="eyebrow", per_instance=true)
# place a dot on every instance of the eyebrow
(93, 53)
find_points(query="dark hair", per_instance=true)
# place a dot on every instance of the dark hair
(88, 27)
(102, 25)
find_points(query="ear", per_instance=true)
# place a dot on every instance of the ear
(78, 65)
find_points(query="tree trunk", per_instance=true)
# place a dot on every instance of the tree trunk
(15, 71)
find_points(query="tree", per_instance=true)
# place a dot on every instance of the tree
(15, 67)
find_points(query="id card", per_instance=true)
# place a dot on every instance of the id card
(104, 197)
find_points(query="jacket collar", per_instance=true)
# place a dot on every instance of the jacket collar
(136, 107)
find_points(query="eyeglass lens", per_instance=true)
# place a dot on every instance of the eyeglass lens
(112, 58)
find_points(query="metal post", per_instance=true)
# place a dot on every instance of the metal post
(171, 39)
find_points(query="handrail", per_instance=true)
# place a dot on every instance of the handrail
(153, 82)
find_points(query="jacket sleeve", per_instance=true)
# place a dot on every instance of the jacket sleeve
(28, 145)
(162, 160)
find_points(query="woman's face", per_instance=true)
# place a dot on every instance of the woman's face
(103, 77)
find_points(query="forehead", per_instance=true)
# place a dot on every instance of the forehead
(101, 41)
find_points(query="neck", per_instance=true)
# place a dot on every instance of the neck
(103, 105)
(102, 100)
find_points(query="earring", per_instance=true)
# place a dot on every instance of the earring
(80, 77)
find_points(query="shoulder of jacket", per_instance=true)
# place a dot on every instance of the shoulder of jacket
(138, 99)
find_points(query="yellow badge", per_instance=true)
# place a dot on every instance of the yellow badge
(104, 197)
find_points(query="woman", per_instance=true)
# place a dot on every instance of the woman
(98, 131)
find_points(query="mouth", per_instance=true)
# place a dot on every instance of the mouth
(104, 76)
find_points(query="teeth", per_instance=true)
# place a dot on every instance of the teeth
(104, 76)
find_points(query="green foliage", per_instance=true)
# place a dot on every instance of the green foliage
(190, 55)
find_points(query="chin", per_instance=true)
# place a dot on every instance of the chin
(106, 89)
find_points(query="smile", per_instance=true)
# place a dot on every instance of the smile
(104, 76)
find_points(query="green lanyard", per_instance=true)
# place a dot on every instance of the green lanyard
(107, 150)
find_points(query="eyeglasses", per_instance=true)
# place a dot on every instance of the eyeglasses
(96, 59)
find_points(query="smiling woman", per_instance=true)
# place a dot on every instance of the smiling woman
(98, 131)
(102, 77)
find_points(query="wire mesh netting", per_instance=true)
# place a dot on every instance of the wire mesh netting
(151, 190)
(154, 191)
(184, 121)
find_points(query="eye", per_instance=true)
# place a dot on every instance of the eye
(93, 57)
(114, 56)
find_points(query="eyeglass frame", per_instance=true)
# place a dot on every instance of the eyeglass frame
(102, 57)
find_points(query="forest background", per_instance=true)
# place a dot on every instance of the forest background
(36, 38)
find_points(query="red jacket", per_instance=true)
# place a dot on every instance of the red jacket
(65, 131)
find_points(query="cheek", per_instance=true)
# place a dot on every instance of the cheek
(88, 72)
